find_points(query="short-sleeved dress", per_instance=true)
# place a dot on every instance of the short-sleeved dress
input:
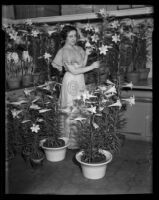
(72, 86)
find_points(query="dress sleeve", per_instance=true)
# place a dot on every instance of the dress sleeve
(58, 60)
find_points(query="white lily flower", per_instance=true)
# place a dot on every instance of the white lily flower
(111, 90)
(50, 32)
(103, 12)
(79, 119)
(15, 113)
(129, 85)
(92, 109)
(35, 128)
(25, 121)
(95, 125)
(115, 24)
(5, 25)
(26, 56)
(103, 49)
(27, 92)
(131, 100)
(47, 55)
(118, 103)
(34, 33)
(109, 82)
(94, 38)
(116, 38)
(28, 22)
(13, 35)
(34, 107)
(39, 120)
(88, 27)
(44, 110)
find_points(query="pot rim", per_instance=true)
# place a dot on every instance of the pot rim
(66, 140)
(105, 152)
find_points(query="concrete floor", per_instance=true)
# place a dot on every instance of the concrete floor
(129, 172)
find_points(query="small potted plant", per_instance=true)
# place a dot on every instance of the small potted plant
(13, 70)
(27, 67)
(53, 144)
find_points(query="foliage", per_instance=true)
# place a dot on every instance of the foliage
(100, 119)
(120, 43)
(37, 116)
(30, 41)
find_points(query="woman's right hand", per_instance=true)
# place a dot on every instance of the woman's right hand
(95, 65)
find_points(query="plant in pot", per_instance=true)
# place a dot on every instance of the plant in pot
(13, 70)
(31, 127)
(53, 144)
(100, 119)
(27, 67)
(138, 40)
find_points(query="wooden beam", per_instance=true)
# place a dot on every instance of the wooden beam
(88, 16)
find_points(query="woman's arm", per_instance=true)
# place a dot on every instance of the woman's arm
(75, 71)
(87, 53)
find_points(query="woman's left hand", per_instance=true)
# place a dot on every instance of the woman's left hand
(88, 51)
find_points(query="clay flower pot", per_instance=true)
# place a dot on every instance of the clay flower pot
(94, 170)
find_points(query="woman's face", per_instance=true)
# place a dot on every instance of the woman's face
(71, 37)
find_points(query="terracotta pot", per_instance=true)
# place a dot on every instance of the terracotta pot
(95, 170)
(144, 73)
(14, 82)
(27, 80)
(133, 76)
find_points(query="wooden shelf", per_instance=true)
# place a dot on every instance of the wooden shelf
(85, 16)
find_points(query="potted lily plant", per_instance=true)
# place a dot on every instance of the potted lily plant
(53, 144)
(98, 125)
(30, 129)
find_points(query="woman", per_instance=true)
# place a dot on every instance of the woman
(74, 60)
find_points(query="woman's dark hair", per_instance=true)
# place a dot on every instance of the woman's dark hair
(66, 29)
